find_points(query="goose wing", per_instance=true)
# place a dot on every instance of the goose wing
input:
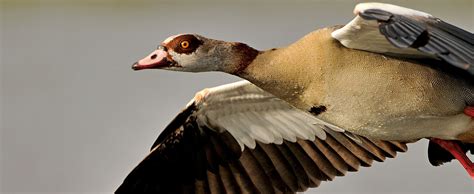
(238, 138)
(391, 29)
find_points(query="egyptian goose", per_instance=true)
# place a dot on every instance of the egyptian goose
(392, 73)
(237, 138)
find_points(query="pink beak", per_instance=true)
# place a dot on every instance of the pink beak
(157, 59)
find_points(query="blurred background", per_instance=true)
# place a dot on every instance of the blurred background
(76, 119)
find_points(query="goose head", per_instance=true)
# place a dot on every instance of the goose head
(195, 53)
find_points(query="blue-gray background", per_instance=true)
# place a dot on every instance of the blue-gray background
(76, 119)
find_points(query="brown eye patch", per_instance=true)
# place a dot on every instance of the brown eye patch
(184, 44)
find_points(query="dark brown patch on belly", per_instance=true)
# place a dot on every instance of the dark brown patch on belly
(316, 110)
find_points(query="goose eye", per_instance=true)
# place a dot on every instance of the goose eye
(185, 44)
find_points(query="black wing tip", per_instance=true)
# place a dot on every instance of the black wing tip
(437, 156)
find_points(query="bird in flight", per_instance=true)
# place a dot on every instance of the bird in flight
(337, 99)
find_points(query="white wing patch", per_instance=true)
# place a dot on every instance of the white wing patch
(361, 7)
(250, 114)
(365, 35)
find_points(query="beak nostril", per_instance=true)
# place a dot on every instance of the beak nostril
(153, 56)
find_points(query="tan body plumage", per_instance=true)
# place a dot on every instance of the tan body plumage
(366, 93)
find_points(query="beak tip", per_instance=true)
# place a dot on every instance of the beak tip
(136, 66)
